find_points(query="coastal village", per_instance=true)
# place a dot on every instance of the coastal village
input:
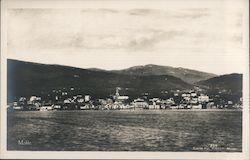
(188, 99)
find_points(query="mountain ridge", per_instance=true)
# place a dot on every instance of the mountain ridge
(27, 78)
(188, 75)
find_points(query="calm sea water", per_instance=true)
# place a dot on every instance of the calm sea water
(205, 131)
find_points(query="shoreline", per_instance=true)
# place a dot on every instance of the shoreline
(141, 110)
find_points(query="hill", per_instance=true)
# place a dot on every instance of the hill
(229, 82)
(227, 87)
(187, 75)
(26, 79)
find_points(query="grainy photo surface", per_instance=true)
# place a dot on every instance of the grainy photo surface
(165, 78)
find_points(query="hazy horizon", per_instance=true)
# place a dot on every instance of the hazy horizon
(200, 36)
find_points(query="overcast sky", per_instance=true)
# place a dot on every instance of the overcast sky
(201, 37)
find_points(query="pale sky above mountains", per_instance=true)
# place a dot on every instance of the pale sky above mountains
(200, 36)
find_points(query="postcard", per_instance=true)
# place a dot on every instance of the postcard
(122, 79)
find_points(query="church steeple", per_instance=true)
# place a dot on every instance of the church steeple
(117, 92)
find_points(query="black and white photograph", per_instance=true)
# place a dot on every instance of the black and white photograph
(131, 77)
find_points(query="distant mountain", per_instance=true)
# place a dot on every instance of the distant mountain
(230, 83)
(187, 75)
(26, 79)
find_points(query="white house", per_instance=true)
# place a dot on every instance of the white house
(140, 104)
(203, 98)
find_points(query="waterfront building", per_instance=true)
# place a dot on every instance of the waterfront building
(80, 100)
(194, 100)
(87, 106)
(33, 98)
(187, 99)
(57, 107)
(188, 95)
(15, 103)
(115, 105)
(154, 103)
(210, 105)
(18, 107)
(193, 94)
(181, 106)
(108, 106)
(87, 98)
(140, 104)
(184, 95)
(67, 101)
(15, 106)
(203, 98)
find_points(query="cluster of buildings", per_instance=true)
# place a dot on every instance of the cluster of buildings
(180, 100)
